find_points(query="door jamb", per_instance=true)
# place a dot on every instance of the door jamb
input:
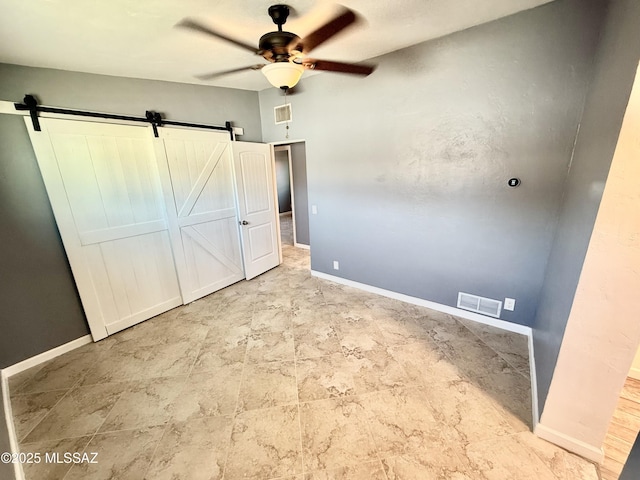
(287, 148)
(282, 146)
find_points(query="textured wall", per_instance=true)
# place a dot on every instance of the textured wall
(615, 67)
(40, 306)
(586, 386)
(409, 167)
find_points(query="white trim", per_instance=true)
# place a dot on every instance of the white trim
(302, 245)
(494, 322)
(7, 107)
(10, 109)
(276, 203)
(285, 142)
(534, 383)
(8, 416)
(287, 149)
(590, 452)
(46, 356)
(292, 190)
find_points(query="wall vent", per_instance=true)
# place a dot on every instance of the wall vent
(282, 113)
(474, 303)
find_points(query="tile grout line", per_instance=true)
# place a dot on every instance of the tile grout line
(70, 389)
(170, 421)
(295, 366)
(236, 412)
(100, 426)
(155, 449)
(20, 441)
(500, 354)
(366, 417)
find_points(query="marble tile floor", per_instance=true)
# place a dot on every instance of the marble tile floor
(291, 377)
(286, 228)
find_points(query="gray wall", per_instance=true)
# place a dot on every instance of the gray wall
(39, 304)
(615, 67)
(283, 181)
(409, 167)
(300, 193)
(176, 101)
(39, 301)
(631, 469)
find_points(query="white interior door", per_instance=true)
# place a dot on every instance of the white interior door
(197, 178)
(104, 189)
(257, 207)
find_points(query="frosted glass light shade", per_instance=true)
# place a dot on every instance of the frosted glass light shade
(283, 74)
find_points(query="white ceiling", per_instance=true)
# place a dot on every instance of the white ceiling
(136, 38)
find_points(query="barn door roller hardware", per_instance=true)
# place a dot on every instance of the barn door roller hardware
(30, 103)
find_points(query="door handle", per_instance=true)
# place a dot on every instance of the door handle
(243, 222)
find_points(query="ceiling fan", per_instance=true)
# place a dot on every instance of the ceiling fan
(286, 52)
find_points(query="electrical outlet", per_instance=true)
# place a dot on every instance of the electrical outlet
(314, 210)
(336, 265)
(510, 304)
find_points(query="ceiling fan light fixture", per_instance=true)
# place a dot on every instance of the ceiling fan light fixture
(283, 74)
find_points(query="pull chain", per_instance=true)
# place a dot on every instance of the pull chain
(287, 126)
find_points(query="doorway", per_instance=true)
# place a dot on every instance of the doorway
(291, 180)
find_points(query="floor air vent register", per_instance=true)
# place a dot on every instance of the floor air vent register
(482, 305)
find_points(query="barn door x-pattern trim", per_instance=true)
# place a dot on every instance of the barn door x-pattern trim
(188, 219)
(200, 195)
(201, 182)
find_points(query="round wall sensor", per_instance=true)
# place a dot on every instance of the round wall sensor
(514, 182)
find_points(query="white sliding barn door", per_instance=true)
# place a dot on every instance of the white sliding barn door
(197, 178)
(257, 207)
(104, 189)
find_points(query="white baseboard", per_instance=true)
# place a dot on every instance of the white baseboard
(494, 322)
(535, 412)
(590, 452)
(45, 356)
(302, 245)
(8, 416)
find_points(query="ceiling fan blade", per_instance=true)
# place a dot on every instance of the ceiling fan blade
(198, 27)
(209, 76)
(328, 65)
(345, 18)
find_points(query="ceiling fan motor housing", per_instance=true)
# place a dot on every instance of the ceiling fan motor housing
(274, 46)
